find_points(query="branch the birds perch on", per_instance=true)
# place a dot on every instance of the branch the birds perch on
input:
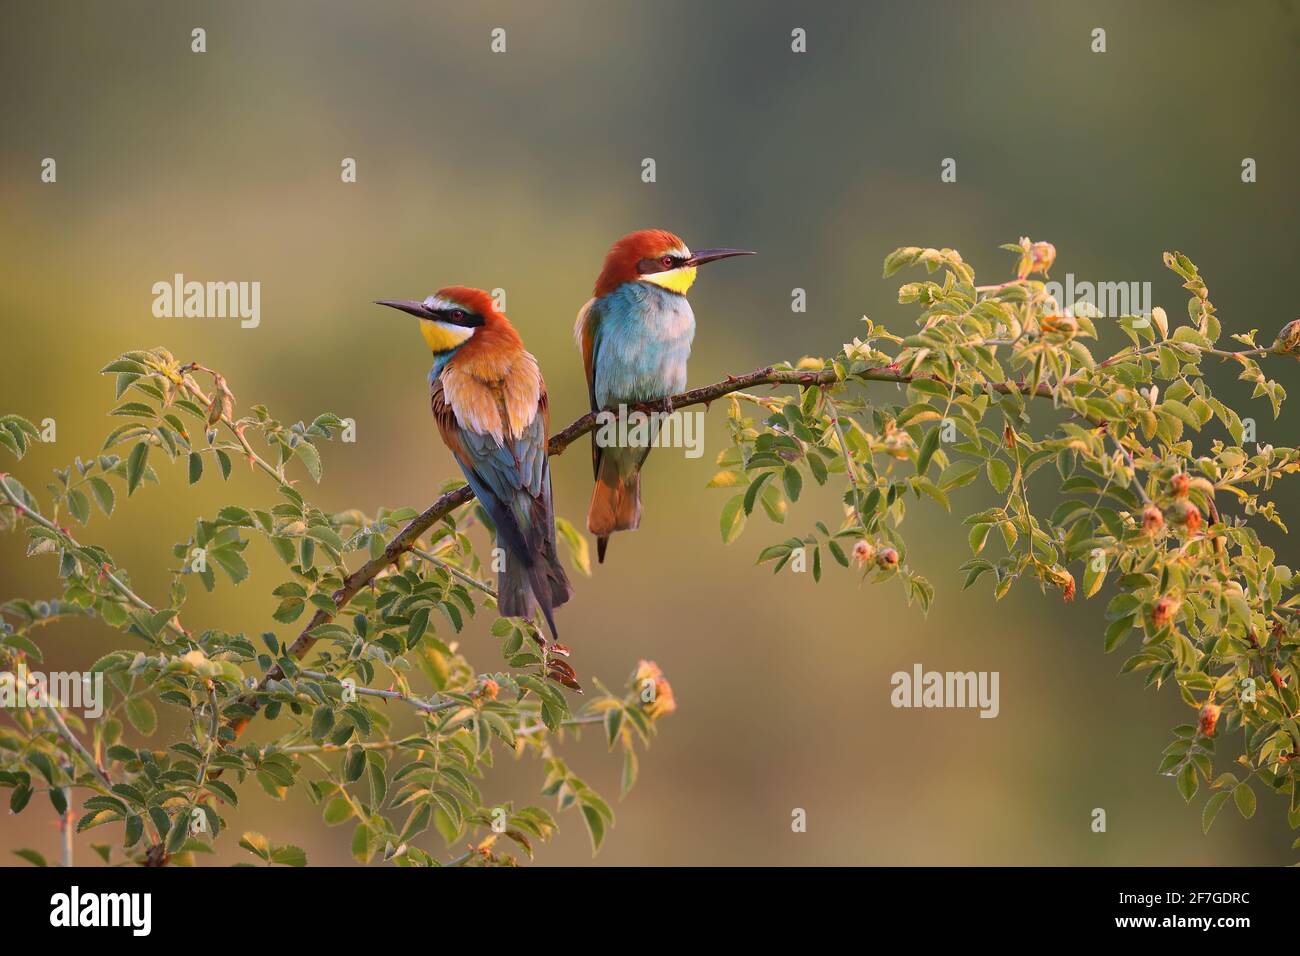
(407, 539)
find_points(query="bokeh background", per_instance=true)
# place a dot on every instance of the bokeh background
(517, 171)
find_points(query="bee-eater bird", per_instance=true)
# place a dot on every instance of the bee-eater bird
(490, 404)
(635, 334)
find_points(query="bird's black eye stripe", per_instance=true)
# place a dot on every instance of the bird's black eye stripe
(459, 317)
(647, 266)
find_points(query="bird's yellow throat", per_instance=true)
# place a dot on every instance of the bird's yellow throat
(674, 280)
(443, 336)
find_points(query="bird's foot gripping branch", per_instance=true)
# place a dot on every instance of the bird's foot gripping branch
(1000, 386)
(159, 760)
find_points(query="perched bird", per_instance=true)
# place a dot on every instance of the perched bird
(635, 334)
(490, 404)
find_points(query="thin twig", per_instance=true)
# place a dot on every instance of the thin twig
(61, 726)
(571, 722)
(71, 543)
(454, 571)
(419, 703)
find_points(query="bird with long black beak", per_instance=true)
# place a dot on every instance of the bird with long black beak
(635, 334)
(490, 405)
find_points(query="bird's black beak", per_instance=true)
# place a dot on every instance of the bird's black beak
(713, 255)
(417, 309)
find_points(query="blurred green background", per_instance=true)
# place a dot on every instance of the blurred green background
(517, 171)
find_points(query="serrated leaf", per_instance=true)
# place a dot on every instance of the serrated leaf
(256, 844)
(135, 465)
(1244, 797)
(103, 493)
(732, 522)
(1212, 807)
(141, 715)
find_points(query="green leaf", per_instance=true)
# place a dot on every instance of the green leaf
(378, 781)
(362, 844)
(628, 779)
(310, 459)
(79, 505)
(336, 811)
(141, 715)
(793, 482)
(135, 464)
(256, 844)
(1212, 807)
(929, 445)
(289, 855)
(416, 823)
(322, 721)
(354, 765)
(134, 410)
(1187, 784)
(419, 624)
(232, 562)
(177, 834)
(32, 857)
(42, 762)
(999, 474)
(103, 493)
(613, 724)
(1093, 577)
(1244, 797)
(124, 365)
(595, 827)
(196, 467)
(733, 519)
(19, 798)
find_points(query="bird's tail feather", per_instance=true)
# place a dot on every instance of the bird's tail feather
(616, 497)
(537, 580)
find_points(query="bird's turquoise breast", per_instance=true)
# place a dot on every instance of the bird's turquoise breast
(642, 344)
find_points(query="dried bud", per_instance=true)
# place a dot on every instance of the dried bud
(1164, 610)
(1063, 325)
(1278, 682)
(887, 559)
(1043, 255)
(1288, 340)
(1035, 257)
(1179, 484)
(653, 689)
(1186, 515)
(1062, 579)
(1152, 519)
(863, 551)
(489, 689)
(1209, 718)
(898, 445)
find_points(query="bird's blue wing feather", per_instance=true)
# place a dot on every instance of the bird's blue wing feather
(511, 480)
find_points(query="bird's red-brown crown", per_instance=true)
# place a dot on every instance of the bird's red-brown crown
(474, 300)
(622, 258)
(497, 332)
